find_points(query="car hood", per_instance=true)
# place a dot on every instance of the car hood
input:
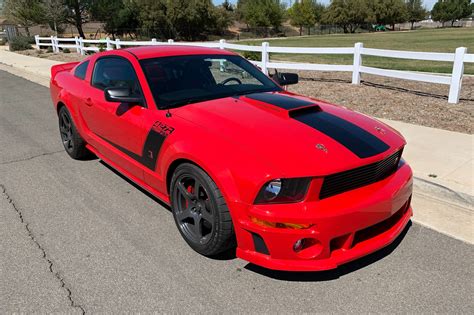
(300, 136)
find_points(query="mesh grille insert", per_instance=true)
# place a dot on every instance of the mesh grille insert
(362, 176)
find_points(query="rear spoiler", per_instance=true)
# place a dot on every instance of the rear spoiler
(62, 67)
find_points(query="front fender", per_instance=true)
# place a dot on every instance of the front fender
(238, 174)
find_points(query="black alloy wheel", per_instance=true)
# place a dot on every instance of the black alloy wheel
(200, 212)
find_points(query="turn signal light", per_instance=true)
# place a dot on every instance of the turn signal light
(280, 225)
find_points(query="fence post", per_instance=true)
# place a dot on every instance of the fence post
(108, 43)
(117, 43)
(357, 63)
(37, 42)
(170, 41)
(153, 41)
(52, 44)
(81, 46)
(78, 48)
(56, 40)
(222, 44)
(456, 76)
(265, 57)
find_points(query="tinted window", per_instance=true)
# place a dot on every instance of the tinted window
(115, 72)
(181, 80)
(81, 70)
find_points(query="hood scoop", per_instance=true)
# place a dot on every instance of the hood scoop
(313, 108)
(285, 105)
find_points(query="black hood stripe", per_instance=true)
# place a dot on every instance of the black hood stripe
(359, 141)
(278, 100)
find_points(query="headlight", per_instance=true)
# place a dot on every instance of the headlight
(285, 190)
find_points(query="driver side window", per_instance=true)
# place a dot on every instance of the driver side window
(115, 72)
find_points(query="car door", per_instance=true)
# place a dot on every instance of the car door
(119, 128)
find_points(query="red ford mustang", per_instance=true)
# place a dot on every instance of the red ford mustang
(296, 183)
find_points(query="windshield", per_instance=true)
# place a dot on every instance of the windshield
(180, 80)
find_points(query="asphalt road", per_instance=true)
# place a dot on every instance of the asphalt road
(76, 236)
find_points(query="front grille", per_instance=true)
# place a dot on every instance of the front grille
(362, 176)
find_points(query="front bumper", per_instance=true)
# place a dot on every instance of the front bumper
(344, 227)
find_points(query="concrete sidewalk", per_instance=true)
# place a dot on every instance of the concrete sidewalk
(442, 161)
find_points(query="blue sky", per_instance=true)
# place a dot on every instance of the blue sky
(428, 3)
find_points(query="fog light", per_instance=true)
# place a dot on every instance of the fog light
(299, 244)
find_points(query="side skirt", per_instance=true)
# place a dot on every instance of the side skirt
(164, 198)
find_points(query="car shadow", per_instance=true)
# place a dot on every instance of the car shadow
(144, 191)
(329, 275)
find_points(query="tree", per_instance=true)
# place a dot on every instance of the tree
(388, 12)
(192, 19)
(124, 20)
(305, 13)
(152, 16)
(77, 13)
(261, 13)
(415, 11)
(227, 6)
(451, 10)
(27, 13)
(349, 14)
(55, 15)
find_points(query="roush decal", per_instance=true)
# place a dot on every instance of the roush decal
(153, 143)
(359, 141)
(281, 101)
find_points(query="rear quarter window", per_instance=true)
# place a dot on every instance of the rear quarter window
(81, 70)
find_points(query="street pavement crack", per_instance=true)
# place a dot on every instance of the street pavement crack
(50, 263)
(31, 157)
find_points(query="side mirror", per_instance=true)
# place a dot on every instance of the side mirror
(285, 78)
(121, 95)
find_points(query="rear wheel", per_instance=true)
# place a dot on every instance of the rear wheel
(73, 143)
(200, 211)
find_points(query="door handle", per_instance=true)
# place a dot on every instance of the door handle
(88, 101)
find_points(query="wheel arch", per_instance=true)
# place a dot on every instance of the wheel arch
(221, 176)
(60, 105)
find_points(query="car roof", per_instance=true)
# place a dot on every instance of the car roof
(146, 52)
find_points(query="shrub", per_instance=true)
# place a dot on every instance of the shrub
(66, 51)
(49, 49)
(252, 55)
(20, 43)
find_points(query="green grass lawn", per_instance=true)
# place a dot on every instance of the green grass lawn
(429, 40)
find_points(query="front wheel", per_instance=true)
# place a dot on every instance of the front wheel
(200, 211)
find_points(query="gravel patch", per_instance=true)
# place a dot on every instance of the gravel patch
(413, 102)
(65, 57)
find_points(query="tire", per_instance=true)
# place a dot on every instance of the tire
(72, 141)
(196, 198)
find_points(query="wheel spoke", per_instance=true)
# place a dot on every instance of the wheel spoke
(207, 216)
(182, 215)
(197, 187)
(187, 195)
(197, 226)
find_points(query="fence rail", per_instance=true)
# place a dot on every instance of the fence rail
(454, 80)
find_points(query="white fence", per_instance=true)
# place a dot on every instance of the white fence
(458, 58)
